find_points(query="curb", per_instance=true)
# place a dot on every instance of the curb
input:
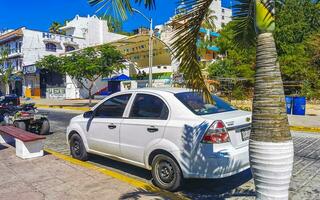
(132, 181)
(305, 129)
(64, 107)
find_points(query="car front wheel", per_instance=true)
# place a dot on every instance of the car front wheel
(77, 148)
(166, 173)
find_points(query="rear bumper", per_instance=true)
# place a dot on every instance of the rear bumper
(218, 165)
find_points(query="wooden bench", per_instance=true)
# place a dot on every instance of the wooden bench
(28, 145)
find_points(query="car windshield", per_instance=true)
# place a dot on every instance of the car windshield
(195, 102)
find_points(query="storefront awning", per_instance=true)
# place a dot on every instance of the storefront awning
(136, 49)
(121, 77)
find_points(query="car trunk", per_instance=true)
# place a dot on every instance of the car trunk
(238, 124)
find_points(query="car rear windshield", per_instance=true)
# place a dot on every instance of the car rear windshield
(195, 102)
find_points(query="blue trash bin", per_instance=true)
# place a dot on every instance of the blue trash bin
(289, 101)
(299, 106)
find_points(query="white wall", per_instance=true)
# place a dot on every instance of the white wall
(77, 91)
(223, 14)
(94, 30)
(34, 45)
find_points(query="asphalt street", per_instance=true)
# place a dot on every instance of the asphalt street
(305, 182)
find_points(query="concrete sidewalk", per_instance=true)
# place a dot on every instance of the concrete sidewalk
(51, 178)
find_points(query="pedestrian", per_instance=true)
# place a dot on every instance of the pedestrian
(139, 75)
(144, 74)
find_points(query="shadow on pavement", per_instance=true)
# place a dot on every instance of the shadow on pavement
(219, 188)
(122, 167)
(141, 194)
(192, 188)
(2, 147)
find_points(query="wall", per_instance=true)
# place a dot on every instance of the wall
(77, 91)
(92, 29)
(134, 84)
(223, 14)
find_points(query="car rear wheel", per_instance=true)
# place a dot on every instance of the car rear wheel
(45, 127)
(20, 124)
(166, 173)
(77, 148)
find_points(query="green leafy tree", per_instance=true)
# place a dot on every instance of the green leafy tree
(5, 69)
(86, 66)
(236, 66)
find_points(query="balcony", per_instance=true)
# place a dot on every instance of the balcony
(56, 38)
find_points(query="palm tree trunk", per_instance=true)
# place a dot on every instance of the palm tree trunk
(270, 146)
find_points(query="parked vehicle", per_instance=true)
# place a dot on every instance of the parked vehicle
(171, 132)
(25, 116)
(10, 99)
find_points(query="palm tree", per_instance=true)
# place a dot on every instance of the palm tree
(270, 146)
(5, 71)
(55, 28)
(208, 22)
(114, 24)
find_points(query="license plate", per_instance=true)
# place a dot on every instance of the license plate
(245, 133)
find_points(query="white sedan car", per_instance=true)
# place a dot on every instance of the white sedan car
(171, 132)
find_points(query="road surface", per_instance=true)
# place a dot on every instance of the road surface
(306, 174)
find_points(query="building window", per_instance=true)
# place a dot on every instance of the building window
(222, 17)
(69, 48)
(222, 10)
(51, 47)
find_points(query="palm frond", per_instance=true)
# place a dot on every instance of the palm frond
(244, 29)
(208, 21)
(120, 7)
(185, 45)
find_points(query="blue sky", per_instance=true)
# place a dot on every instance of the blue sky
(36, 14)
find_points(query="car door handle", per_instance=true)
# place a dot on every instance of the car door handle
(112, 126)
(152, 129)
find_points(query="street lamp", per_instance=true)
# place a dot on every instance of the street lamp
(150, 45)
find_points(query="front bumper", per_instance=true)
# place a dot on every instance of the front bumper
(216, 164)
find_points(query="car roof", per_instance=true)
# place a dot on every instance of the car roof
(170, 90)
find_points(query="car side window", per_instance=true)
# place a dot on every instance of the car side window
(147, 106)
(113, 108)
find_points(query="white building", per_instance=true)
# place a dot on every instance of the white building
(92, 29)
(27, 46)
(223, 12)
(95, 32)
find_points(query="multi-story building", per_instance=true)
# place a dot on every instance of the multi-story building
(26, 47)
(223, 13)
(222, 10)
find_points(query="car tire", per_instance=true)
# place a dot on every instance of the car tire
(77, 148)
(166, 173)
(45, 127)
(20, 124)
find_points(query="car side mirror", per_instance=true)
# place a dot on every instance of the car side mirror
(88, 114)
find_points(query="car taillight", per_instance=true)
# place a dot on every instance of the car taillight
(216, 134)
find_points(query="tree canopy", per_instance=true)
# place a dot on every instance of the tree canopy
(297, 36)
(86, 66)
